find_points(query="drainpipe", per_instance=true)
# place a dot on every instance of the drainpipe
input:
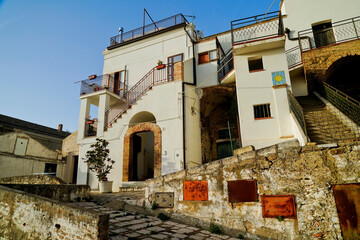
(183, 110)
(183, 96)
(287, 31)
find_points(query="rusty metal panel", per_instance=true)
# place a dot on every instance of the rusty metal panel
(195, 190)
(347, 199)
(164, 199)
(274, 206)
(242, 191)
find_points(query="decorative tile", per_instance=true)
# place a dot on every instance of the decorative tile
(278, 78)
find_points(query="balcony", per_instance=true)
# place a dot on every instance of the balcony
(258, 27)
(333, 33)
(149, 29)
(103, 82)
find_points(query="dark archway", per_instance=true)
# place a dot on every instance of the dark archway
(218, 107)
(141, 131)
(344, 75)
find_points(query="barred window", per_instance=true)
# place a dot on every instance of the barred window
(262, 111)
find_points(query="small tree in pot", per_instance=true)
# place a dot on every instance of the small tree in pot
(97, 158)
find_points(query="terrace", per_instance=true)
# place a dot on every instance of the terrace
(148, 30)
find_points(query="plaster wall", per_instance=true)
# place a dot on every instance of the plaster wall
(165, 103)
(33, 160)
(192, 127)
(254, 88)
(70, 149)
(300, 15)
(140, 57)
(206, 73)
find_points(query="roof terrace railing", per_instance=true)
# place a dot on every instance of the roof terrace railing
(147, 29)
(257, 27)
(341, 31)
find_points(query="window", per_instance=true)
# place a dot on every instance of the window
(255, 64)
(323, 34)
(50, 168)
(262, 111)
(208, 56)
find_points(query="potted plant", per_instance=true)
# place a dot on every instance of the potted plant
(160, 65)
(97, 158)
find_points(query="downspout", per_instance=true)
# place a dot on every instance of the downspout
(183, 96)
(287, 31)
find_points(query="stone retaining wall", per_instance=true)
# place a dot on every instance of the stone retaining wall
(33, 179)
(27, 216)
(283, 169)
(60, 192)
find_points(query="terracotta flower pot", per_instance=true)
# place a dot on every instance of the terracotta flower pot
(160, 66)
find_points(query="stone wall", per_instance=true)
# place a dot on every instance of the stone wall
(62, 193)
(27, 216)
(283, 169)
(316, 62)
(32, 179)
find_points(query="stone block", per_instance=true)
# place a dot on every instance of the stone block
(240, 151)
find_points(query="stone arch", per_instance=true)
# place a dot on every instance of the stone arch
(343, 74)
(127, 156)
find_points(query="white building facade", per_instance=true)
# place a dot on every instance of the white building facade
(169, 100)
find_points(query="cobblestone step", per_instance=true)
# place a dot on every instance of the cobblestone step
(125, 225)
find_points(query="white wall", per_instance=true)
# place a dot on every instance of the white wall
(301, 14)
(140, 57)
(257, 88)
(165, 103)
(206, 73)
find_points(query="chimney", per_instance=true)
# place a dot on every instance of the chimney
(60, 128)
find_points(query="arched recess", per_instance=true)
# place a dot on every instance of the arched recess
(142, 117)
(344, 75)
(128, 148)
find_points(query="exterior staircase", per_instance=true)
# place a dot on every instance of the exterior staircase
(154, 77)
(323, 126)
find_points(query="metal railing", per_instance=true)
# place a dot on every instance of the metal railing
(153, 77)
(293, 57)
(98, 83)
(147, 29)
(341, 31)
(346, 104)
(225, 65)
(257, 27)
(297, 111)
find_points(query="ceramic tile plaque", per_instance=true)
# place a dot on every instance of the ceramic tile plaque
(164, 199)
(278, 78)
(274, 206)
(195, 191)
(242, 191)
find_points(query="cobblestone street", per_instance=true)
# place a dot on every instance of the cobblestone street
(126, 225)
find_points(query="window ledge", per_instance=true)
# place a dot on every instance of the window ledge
(260, 70)
(263, 118)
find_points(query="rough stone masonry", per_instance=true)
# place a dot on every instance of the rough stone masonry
(306, 173)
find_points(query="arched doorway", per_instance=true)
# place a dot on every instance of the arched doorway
(142, 152)
(343, 74)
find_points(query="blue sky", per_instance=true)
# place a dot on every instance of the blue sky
(46, 46)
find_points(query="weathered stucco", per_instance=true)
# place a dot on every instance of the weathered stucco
(282, 169)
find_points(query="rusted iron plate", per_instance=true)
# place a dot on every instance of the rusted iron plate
(347, 199)
(164, 199)
(242, 191)
(195, 190)
(274, 206)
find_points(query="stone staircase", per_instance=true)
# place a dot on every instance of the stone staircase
(323, 126)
